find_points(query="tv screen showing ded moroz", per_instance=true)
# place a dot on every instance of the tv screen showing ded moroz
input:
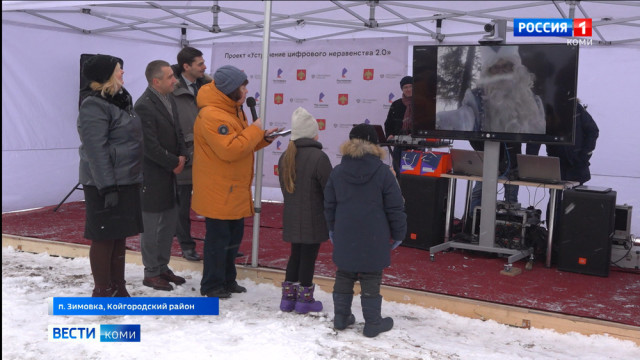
(521, 93)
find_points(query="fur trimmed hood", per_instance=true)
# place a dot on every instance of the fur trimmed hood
(361, 160)
(357, 148)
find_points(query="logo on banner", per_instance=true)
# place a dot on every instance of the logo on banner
(278, 143)
(322, 124)
(367, 74)
(279, 79)
(366, 101)
(343, 78)
(275, 170)
(301, 74)
(391, 96)
(278, 98)
(257, 97)
(343, 99)
(320, 103)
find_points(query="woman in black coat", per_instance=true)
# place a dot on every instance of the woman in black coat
(110, 171)
(303, 172)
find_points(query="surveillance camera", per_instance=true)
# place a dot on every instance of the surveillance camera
(489, 27)
(496, 32)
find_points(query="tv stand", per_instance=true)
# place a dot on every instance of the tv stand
(487, 235)
(486, 242)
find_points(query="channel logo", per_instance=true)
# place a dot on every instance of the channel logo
(94, 333)
(552, 27)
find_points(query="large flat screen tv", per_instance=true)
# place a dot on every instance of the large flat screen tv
(520, 93)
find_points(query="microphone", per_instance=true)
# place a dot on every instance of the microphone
(251, 103)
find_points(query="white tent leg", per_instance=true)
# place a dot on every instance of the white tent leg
(257, 201)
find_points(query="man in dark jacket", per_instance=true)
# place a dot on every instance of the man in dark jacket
(399, 119)
(574, 159)
(164, 157)
(189, 71)
(364, 210)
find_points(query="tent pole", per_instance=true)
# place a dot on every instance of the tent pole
(257, 201)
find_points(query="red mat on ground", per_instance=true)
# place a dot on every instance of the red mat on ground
(464, 274)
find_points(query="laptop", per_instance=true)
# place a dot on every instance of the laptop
(591, 188)
(466, 162)
(540, 169)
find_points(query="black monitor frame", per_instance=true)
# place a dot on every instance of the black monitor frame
(555, 70)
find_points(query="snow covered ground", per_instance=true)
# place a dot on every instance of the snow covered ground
(250, 326)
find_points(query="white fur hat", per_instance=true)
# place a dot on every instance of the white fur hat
(491, 54)
(303, 125)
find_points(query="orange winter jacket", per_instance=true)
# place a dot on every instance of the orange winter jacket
(223, 161)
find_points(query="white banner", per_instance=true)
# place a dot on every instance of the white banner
(340, 82)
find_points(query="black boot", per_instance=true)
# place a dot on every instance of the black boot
(117, 268)
(374, 324)
(342, 310)
(100, 261)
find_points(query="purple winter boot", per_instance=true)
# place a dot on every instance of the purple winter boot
(289, 296)
(306, 303)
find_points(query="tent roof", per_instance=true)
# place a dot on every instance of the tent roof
(204, 22)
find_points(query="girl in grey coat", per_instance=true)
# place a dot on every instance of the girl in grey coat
(303, 172)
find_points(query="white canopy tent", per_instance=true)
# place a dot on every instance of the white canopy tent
(42, 42)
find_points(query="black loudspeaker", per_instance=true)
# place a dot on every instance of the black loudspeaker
(586, 227)
(426, 205)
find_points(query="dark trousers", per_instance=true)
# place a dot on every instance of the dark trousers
(221, 243)
(369, 283)
(302, 263)
(183, 229)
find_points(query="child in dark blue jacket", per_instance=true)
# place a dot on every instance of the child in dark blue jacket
(364, 210)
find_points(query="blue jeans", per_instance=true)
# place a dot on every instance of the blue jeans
(221, 243)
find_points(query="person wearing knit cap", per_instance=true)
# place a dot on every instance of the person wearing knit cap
(364, 210)
(364, 132)
(223, 163)
(107, 124)
(303, 171)
(399, 119)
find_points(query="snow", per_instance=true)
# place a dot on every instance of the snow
(250, 326)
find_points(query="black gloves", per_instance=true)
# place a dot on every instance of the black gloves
(111, 199)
